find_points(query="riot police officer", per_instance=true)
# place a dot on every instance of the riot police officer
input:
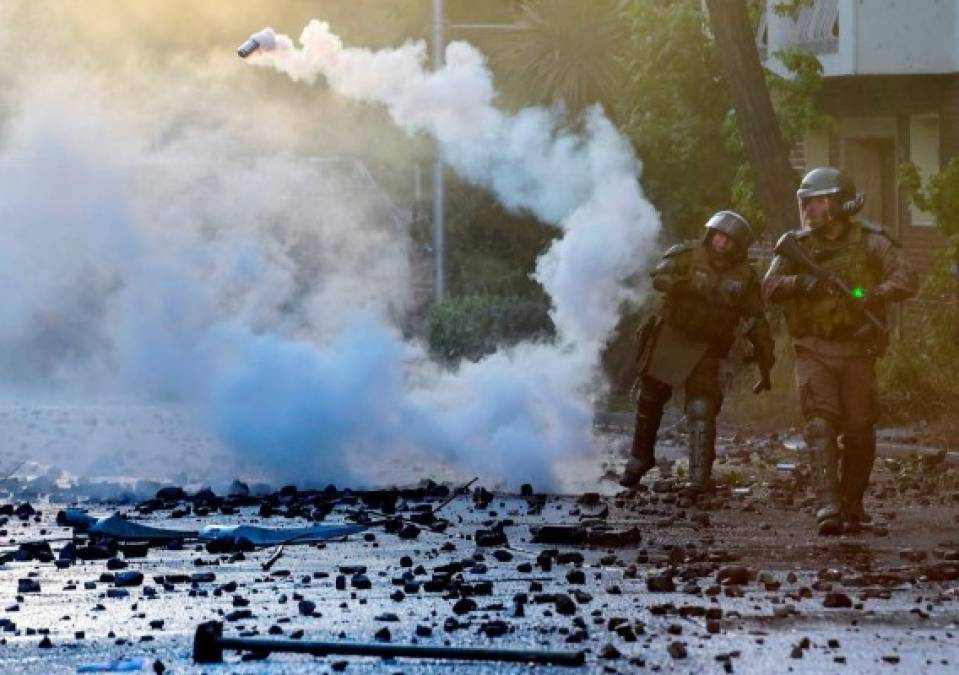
(708, 288)
(835, 334)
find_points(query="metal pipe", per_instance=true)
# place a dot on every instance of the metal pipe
(439, 190)
(209, 644)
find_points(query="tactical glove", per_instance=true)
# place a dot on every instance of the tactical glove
(808, 285)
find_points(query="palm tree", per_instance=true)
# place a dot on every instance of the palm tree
(565, 52)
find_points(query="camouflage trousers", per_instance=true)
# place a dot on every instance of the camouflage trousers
(841, 389)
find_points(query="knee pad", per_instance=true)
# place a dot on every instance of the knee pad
(700, 409)
(819, 427)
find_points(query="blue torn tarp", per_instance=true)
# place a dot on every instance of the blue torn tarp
(269, 536)
(118, 527)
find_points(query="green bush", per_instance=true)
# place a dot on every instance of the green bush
(919, 377)
(472, 326)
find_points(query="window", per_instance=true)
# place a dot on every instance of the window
(817, 27)
(762, 36)
(924, 153)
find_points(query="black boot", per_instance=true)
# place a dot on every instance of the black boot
(701, 419)
(821, 440)
(859, 454)
(649, 414)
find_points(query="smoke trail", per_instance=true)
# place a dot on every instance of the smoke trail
(585, 184)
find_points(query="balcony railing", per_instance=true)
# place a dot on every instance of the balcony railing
(815, 30)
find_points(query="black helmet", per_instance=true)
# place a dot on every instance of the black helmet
(828, 181)
(734, 226)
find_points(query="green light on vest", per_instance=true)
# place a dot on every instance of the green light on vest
(858, 293)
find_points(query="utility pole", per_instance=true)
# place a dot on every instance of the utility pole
(439, 190)
(439, 225)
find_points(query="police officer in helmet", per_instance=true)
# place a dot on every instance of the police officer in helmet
(707, 288)
(836, 345)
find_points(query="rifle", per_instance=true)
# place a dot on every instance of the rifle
(789, 248)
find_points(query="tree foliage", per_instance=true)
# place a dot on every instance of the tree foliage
(919, 378)
(794, 101)
(563, 52)
(920, 375)
(940, 195)
(490, 256)
(677, 111)
(792, 7)
(674, 108)
(473, 326)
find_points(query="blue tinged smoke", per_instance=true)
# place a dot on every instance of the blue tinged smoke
(263, 297)
(306, 409)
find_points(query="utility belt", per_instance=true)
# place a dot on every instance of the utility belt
(719, 342)
(843, 333)
(871, 340)
(708, 324)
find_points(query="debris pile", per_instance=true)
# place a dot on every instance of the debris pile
(641, 579)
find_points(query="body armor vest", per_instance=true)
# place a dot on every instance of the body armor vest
(833, 317)
(709, 306)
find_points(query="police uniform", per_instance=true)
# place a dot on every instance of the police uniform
(704, 297)
(836, 346)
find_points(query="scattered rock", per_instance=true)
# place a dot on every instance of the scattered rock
(27, 585)
(494, 628)
(609, 651)
(564, 604)
(660, 584)
(238, 615)
(128, 578)
(409, 531)
(171, 493)
(464, 606)
(361, 582)
(569, 535)
(837, 600)
(492, 537)
(733, 575)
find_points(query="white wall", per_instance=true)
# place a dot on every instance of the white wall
(816, 146)
(882, 37)
(905, 36)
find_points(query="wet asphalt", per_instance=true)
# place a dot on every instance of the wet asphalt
(732, 582)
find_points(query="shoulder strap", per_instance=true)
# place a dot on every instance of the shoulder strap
(677, 249)
(876, 228)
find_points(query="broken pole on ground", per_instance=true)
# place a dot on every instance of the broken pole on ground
(209, 645)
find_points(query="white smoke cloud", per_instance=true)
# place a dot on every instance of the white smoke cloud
(264, 294)
(585, 183)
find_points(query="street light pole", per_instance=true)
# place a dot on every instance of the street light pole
(439, 226)
(439, 189)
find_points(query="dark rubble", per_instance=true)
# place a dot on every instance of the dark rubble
(731, 582)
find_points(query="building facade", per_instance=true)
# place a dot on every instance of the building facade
(891, 83)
